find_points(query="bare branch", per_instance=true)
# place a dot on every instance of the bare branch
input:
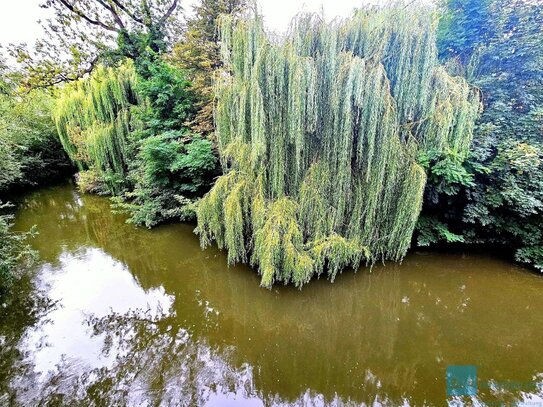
(127, 12)
(113, 12)
(169, 12)
(62, 78)
(78, 12)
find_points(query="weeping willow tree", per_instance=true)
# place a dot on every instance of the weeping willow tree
(93, 120)
(319, 135)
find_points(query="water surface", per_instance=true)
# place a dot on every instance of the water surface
(139, 317)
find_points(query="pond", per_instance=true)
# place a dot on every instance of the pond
(145, 317)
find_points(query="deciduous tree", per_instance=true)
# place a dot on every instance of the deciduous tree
(82, 33)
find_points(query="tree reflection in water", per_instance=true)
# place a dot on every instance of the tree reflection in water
(24, 308)
(156, 363)
(384, 337)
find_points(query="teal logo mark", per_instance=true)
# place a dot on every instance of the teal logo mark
(461, 380)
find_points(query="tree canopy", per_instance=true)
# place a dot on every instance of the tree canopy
(82, 33)
(199, 54)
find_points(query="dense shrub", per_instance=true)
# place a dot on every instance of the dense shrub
(495, 196)
(125, 128)
(30, 151)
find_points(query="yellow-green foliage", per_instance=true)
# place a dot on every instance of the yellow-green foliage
(93, 118)
(319, 135)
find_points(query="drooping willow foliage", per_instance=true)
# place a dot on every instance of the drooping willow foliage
(319, 135)
(93, 119)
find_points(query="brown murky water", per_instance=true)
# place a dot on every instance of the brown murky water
(139, 317)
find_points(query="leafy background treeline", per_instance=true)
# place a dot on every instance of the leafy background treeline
(495, 197)
(127, 89)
